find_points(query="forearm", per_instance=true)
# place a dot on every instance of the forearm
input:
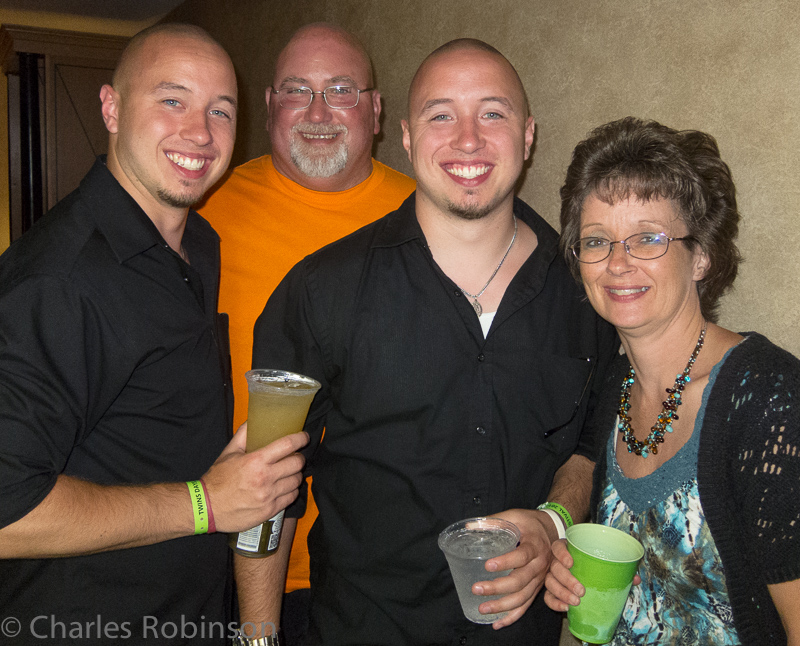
(784, 596)
(530, 562)
(260, 583)
(572, 487)
(79, 517)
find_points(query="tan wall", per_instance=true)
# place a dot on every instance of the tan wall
(730, 68)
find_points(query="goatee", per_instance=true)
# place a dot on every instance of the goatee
(179, 200)
(469, 211)
(308, 159)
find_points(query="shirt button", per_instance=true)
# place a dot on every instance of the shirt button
(462, 641)
(457, 292)
(477, 500)
(480, 430)
(481, 357)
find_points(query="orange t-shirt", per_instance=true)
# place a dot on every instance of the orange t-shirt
(267, 223)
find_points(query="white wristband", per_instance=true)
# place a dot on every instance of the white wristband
(558, 521)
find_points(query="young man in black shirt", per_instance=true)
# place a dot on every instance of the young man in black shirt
(113, 421)
(458, 360)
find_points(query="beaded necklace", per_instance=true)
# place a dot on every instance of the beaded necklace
(669, 411)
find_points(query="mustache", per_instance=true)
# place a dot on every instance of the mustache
(319, 128)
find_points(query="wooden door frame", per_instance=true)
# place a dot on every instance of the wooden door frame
(57, 47)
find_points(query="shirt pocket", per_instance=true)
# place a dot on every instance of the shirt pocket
(558, 398)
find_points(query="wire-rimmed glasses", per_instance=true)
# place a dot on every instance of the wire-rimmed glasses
(644, 246)
(340, 97)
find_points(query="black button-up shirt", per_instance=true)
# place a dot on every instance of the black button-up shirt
(426, 421)
(110, 371)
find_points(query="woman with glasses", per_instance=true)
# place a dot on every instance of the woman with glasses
(699, 457)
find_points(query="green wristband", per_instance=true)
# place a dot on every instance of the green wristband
(559, 510)
(199, 506)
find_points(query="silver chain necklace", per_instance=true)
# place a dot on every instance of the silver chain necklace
(475, 304)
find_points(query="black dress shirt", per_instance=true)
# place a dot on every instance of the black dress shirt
(426, 421)
(110, 371)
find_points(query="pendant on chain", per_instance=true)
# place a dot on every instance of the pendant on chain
(475, 304)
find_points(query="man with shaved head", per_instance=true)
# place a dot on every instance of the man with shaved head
(319, 183)
(458, 360)
(116, 469)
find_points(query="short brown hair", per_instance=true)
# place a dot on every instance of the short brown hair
(648, 161)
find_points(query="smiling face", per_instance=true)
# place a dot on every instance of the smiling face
(468, 132)
(320, 147)
(172, 121)
(641, 295)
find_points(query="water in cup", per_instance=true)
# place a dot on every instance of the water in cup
(467, 545)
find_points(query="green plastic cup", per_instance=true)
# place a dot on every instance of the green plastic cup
(604, 561)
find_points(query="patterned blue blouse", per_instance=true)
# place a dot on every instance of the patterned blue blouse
(683, 597)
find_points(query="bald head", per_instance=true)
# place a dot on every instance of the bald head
(468, 132)
(321, 147)
(321, 32)
(129, 61)
(463, 45)
(171, 118)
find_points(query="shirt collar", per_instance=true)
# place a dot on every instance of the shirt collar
(546, 236)
(120, 219)
(532, 276)
(402, 226)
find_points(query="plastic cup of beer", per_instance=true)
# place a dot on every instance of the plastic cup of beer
(467, 545)
(278, 406)
(605, 560)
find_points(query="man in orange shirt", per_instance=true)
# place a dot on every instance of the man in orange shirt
(319, 184)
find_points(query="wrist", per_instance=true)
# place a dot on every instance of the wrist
(275, 639)
(212, 525)
(203, 517)
(560, 516)
(557, 522)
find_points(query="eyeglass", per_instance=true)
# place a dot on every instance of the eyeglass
(341, 97)
(644, 246)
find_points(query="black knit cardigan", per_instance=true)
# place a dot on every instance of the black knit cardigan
(748, 475)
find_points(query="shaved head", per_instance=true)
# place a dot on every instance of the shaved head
(321, 30)
(171, 117)
(319, 147)
(129, 59)
(458, 45)
(468, 131)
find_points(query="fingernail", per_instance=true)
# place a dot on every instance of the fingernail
(477, 589)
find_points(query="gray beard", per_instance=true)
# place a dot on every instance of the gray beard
(315, 165)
